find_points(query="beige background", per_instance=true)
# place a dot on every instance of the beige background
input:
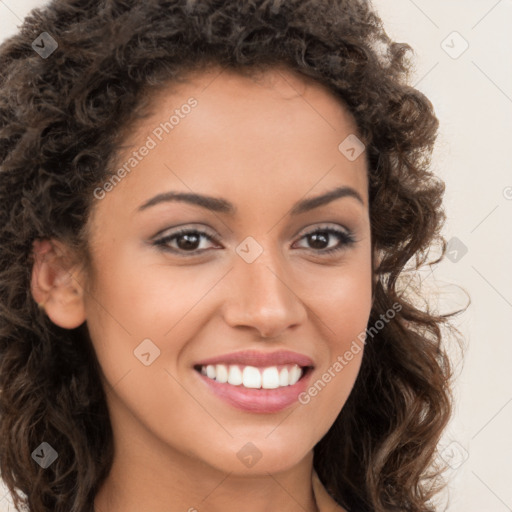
(472, 94)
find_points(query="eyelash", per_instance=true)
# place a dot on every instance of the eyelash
(346, 239)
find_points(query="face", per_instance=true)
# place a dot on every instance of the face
(257, 275)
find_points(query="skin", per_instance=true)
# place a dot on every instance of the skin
(262, 144)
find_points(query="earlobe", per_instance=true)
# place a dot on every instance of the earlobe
(56, 284)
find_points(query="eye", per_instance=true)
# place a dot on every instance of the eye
(320, 240)
(190, 241)
(185, 240)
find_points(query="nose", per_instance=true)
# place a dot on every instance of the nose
(262, 297)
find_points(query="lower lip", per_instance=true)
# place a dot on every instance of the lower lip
(258, 400)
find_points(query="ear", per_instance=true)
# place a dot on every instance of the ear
(56, 284)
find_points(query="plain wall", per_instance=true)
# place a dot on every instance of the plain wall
(472, 97)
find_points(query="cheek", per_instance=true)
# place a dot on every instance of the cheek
(348, 309)
(344, 326)
(130, 305)
(145, 299)
(342, 297)
(342, 304)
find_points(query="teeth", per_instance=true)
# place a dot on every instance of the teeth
(235, 376)
(210, 371)
(252, 377)
(221, 372)
(270, 378)
(283, 377)
(294, 375)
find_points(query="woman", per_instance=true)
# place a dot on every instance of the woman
(207, 209)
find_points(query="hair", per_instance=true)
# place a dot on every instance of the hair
(63, 120)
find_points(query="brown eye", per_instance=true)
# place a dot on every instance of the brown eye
(188, 241)
(185, 241)
(320, 240)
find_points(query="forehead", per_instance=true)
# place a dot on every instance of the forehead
(255, 89)
(268, 137)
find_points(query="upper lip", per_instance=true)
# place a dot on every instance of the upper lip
(256, 358)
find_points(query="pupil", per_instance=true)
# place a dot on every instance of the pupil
(319, 237)
(191, 241)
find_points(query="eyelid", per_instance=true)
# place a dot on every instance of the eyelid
(164, 233)
(323, 225)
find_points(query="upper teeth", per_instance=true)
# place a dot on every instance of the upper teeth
(252, 377)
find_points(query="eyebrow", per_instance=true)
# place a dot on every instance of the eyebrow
(220, 205)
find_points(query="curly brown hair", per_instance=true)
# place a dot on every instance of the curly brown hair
(62, 121)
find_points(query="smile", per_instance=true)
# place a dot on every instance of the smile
(250, 395)
(271, 377)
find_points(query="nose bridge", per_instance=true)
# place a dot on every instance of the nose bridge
(261, 295)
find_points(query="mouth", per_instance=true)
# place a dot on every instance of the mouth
(254, 377)
(255, 381)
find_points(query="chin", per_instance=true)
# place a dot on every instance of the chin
(260, 455)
